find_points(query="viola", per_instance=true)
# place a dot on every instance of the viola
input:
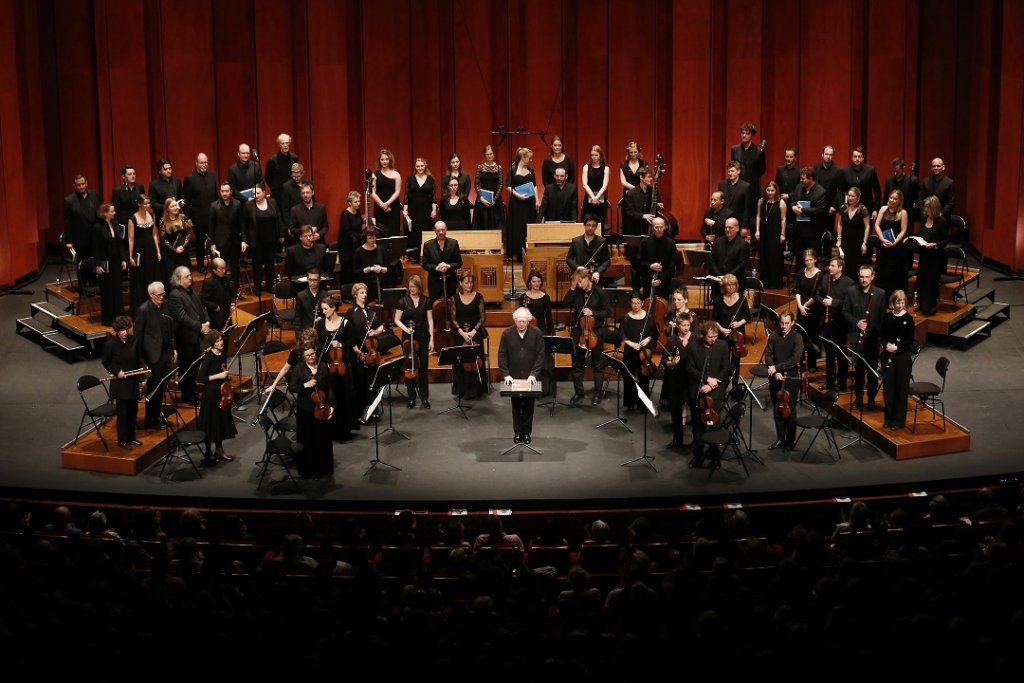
(371, 351)
(708, 414)
(739, 349)
(474, 364)
(647, 367)
(410, 347)
(782, 399)
(321, 408)
(588, 335)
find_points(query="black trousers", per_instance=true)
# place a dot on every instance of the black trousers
(522, 415)
(127, 413)
(785, 428)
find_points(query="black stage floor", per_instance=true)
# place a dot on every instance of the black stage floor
(453, 462)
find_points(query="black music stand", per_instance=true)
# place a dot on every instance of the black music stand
(858, 359)
(249, 331)
(456, 355)
(555, 344)
(621, 368)
(391, 298)
(515, 390)
(751, 399)
(370, 410)
(618, 394)
(619, 297)
(386, 374)
(394, 248)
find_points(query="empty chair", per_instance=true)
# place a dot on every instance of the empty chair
(927, 393)
(821, 422)
(278, 451)
(98, 413)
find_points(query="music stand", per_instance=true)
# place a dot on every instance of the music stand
(619, 297)
(394, 248)
(521, 388)
(616, 365)
(621, 368)
(858, 359)
(555, 344)
(455, 355)
(751, 399)
(370, 409)
(249, 331)
(386, 374)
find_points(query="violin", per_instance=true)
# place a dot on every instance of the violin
(782, 399)
(371, 344)
(321, 408)
(708, 414)
(227, 395)
(588, 335)
(410, 347)
(739, 349)
(474, 364)
(336, 361)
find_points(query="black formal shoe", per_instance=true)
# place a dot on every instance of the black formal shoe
(871, 405)
(426, 403)
(856, 405)
(412, 403)
(527, 439)
(674, 443)
(517, 439)
(776, 444)
(135, 442)
(125, 444)
(788, 446)
(576, 398)
(597, 398)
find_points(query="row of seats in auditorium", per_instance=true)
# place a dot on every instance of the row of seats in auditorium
(714, 592)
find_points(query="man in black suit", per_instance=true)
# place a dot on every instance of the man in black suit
(245, 174)
(637, 212)
(308, 212)
(79, 216)
(225, 226)
(787, 177)
(290, 194)
(862, 176)
(154, 329)
(279, 168)
(191, 323)
(589, 250)
(709, 368)
(308, 253)
(831, 294)
(307, 302)
(827, 175)
(218, 294)
(863, 311)
(521, 356)
(811, 220)
(940, 185)
(749, 156)
(739, 196)
(713, 224)
(200, 191)
(909, 186)
(657, 260)
(729, 255)
(162, 188)
(125, 196)
(441, 259)
(560, 200)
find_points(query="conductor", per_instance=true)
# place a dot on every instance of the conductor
(521, 355)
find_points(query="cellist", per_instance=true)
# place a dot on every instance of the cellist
(708, 366)
(590, 306)
(414, 317)
(782, 356)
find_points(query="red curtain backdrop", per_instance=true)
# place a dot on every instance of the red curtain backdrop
(95, 84)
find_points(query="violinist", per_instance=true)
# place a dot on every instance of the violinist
(809, 314)
(415, 319)
(589, 250)
(306, 337)
(782, 356)
(120, 355)
(678, 304)
(708, 367)
(638, 335)
(330, 341)
(308, 381)
(214, 417)
(468, 317)
(539, 303)
(676, 380)
(657, 258)
(441, 259)
(897, 337)
(590, 306)
(364, 329)
(831, 294)
(730, 313)
(307, 302)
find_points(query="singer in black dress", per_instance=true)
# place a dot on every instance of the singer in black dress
(771, 238)
(455, 171)
(386, 182)
(595, 176)
(539, 304)
(420, 204)
(557, 159)
(522, 208)
(350, 236)
(454, 209)
(110, 262)
(931, 262)
(809, 310)
(891, 261)
(489, 176)
(215, 422)
(175, 236)
(143, 252)
(853, 230)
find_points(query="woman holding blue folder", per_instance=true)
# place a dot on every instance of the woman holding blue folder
(522, 206)
(489, 211)
(891, 261)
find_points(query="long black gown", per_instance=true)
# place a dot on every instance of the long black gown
(931, 264)
(467, 317)
(147, 267)
(343, 421)
(489, 217)
(634, 330)
(769, 248)
(806, 287)
(317, 455)
(853, 239)
(389, 222)
(541, 310)
(420, 201)
(891, 263)
(216, 423)
(108, 252)
(520, 213)
(456, 216)
(594, 180)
